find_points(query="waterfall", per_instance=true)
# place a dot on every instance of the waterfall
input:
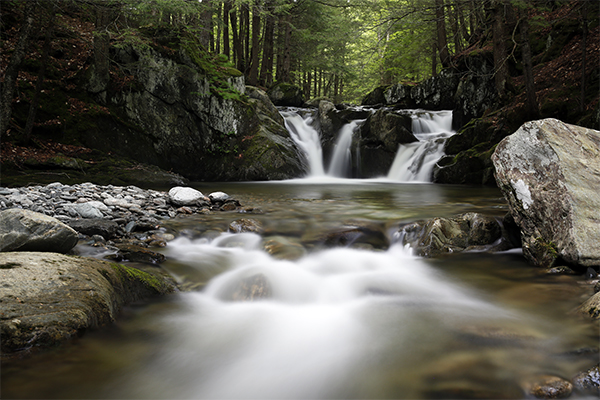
(414, 162)
(307, 138)
(341, 161)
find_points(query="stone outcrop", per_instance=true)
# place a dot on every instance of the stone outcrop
(172, 116)
(468, 94)
(549, 172)
(48, 298)
(25, 230)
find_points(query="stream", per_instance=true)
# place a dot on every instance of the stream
(347, 320)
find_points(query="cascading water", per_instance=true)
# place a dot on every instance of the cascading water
(325, 326)
(414, 162)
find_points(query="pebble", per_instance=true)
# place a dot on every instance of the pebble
(123, 205)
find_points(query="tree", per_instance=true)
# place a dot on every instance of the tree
(442, 43)
(12, 70)
(500, 55)
(532, 103)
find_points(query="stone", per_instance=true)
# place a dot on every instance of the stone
(470, 231)
(549, 172)
(591, 307)
(245, 225)
(588, 381)
(186, 196)
(253, 288)
(548, 387)
(24, 230)
(285, 94)
(89, 227)
(48, 298)
(91, 209)
(131, 252)
(218, 196)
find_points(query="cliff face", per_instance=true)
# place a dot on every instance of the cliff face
(168, 115)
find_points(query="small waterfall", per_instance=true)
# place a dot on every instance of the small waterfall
(341, 161)
(307, 138)
(414, 162)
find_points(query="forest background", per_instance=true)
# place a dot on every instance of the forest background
(339, 49)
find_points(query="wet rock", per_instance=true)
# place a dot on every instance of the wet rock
(48, 298)
(355, 236)
(549, 172)
(470, 231)
(89, 227)
(591, 307)
(255, 287)
(134, 253)
(548, 387)
(186, 196)
(245, 225)
(283, 248)
(24, 230)
(588, 381)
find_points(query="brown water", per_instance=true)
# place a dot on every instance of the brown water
(340, 322)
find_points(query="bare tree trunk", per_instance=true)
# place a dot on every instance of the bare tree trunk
(532, 104)
(12, 70)
(287, 52)
(219, 29)
(245, 35)
(206, 36)
(434, 58)
(584, 21)
(500, 57)
(253, 73)
(441, 33)
(41, 74)
(266, 68)
(101, 48)
(226, 11)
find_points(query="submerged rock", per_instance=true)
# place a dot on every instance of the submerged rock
(24, 230)
(548, 387)
(48, 298)
(549, 172)
(588, 381)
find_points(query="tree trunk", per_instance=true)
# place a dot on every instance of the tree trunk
(500, 57)
(532, 104)
(237, 44)
(101, 48)
(253, 73)
(41, 74)
(12, 70)
(584, 22)
(434, 58)
(441, 33)
(206, 28)
(266, 68)
(226, 11)
(245, 16)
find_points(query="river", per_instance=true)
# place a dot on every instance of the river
(339, 308)
(350, 321)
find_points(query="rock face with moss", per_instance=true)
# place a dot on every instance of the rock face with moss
(176, 114)
(48, 297)
(549, 172)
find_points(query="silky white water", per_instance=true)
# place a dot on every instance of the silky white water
(414, 162)
(284, 315)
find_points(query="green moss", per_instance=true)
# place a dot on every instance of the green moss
(133, 274)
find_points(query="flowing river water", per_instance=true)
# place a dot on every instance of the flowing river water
(337, 320)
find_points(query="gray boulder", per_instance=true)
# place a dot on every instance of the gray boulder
(48, 298)
(549, 172)
(24, 230)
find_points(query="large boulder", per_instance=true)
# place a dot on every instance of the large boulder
(549, 172)
(48, 297)
(286, 94)
(25, 230)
